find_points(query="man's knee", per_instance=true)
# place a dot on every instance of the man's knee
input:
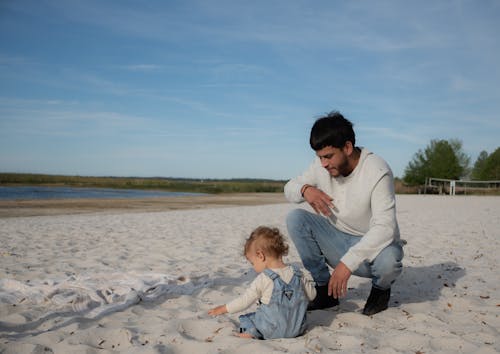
(296, 218)
(392, 267)
(389, 264)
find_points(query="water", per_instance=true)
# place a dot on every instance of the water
(25, 193)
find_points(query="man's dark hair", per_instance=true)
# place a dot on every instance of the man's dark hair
(331, 130)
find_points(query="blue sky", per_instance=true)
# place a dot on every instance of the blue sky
(230, 89)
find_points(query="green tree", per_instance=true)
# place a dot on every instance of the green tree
(416, 171)
(491, 170)
(440, 159)
(463, 159)
(479, 165)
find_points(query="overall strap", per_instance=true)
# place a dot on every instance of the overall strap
(296, 271)
(271, 274)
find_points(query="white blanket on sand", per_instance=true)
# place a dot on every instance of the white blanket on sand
(87, 297)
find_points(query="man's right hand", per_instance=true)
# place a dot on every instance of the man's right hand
(318, 200)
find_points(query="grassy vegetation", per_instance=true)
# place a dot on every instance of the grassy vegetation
(213, 186)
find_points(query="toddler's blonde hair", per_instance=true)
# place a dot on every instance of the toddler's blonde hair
(269, 240)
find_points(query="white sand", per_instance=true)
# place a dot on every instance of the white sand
(143, 282)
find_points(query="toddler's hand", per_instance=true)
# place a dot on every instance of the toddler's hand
(219, 310)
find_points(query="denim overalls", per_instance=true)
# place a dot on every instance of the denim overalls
(284, 316)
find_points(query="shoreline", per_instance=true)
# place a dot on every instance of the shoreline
(46, 207)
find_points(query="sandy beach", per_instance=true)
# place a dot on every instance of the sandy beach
(141, 278)
(15, 208)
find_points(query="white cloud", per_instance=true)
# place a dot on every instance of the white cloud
(143, 67)
(384, 132)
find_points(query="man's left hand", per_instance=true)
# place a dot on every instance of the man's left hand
(337, 286)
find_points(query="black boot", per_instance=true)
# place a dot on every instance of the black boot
(322, 300)
(377, 301)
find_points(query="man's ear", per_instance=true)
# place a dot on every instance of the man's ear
(348, 148)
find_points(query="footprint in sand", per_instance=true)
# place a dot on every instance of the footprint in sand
(103, 338)
(203, 330)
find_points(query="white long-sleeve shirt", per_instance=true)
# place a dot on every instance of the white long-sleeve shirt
(262, 287)
(364, 204)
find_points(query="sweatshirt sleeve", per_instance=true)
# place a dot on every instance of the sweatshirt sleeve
(308, 284)
(249, 297)
(293, 186)
(383, 228)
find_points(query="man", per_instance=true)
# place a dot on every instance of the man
(354, 230)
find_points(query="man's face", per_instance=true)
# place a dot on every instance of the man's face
(334, 160)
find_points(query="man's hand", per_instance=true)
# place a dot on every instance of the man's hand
(337, 286)
(319, 200)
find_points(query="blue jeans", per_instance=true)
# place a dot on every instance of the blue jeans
(320, 244)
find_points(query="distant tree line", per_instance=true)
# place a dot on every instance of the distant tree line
(214, 186)
(446, 159)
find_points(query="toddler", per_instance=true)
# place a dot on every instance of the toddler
(283, 291)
